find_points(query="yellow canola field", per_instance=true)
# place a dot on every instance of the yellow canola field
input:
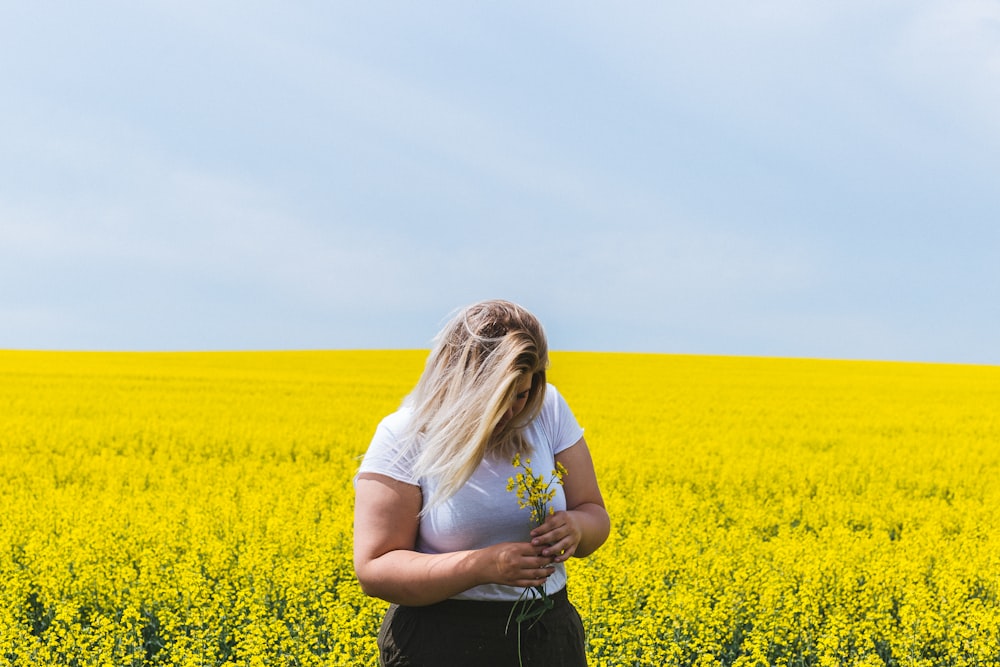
(196, 508)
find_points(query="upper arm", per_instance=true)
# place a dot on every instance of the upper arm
(580, 482)
(386, 517)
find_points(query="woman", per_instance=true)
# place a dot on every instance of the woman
(437, 533)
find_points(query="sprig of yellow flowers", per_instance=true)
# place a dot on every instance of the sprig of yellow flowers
(534, 492)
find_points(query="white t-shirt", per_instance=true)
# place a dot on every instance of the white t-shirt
(483, 512)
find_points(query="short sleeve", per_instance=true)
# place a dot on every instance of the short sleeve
(562, 429)
(387, 454)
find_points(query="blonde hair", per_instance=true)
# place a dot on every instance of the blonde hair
(469, 381)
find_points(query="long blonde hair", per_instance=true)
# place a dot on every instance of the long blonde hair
(469, 381)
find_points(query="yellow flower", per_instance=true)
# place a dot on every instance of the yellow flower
(799, 511)
(534, 492)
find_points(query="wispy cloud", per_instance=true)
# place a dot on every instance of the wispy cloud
(734, 178)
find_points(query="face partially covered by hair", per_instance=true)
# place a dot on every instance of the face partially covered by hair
(499, 348)
(522, 391)
(483, 382)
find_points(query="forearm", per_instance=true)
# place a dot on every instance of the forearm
(587, 525)
(415, 579)
(595, 525)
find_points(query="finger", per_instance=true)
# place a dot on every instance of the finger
(550, 524)
(561, 551)
(534, 577)
(565, 555)
(555, 543)
(541, 562)
(550, 537)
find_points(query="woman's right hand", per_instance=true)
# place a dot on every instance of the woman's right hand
(388, 567)
(518, 564)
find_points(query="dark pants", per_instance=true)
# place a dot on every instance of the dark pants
(456, 633)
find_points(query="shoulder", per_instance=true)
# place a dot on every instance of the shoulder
(392, 433)
(556, 422)
(389, 452)
(397, 422)
(553, 402)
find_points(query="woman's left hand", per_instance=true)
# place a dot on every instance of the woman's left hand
(584, 525)
(561, 532)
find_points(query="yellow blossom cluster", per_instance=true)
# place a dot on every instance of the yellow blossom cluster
(534, 492)
(196, 508)
(790, 512)
(186, 509)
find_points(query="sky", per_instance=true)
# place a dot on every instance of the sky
(776, 178)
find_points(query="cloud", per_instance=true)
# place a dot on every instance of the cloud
(653, 176)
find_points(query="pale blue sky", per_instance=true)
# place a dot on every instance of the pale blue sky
(776, 178)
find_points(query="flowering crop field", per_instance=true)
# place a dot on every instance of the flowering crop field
(196, 508)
